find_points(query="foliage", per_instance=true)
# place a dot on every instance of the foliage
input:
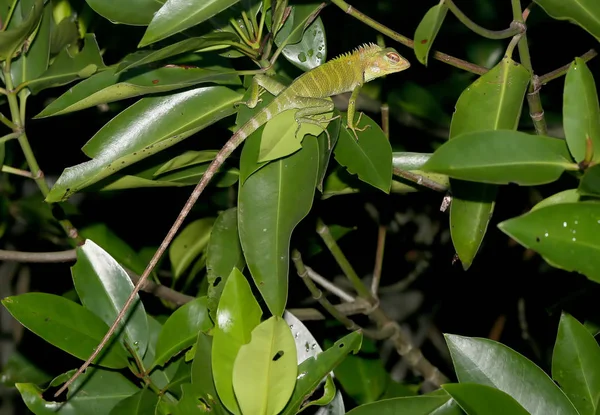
(217, 331)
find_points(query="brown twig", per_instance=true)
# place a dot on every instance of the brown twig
(557, 73)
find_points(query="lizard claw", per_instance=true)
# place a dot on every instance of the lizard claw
(355, 128)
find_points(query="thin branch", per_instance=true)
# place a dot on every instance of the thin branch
(329, 286)
(450, 60)
(8, 122)
(482, 31)
(9, 137)
(378, 260)
(18, 172)
(420, 180)
(557, 73)
(347, 309)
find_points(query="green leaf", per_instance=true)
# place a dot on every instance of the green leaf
(301, 16)
(130, 12)
(115, 246)
(103, 287)
(427, 31)
(210, 41)
(265, 369)
(19, 369)
(189, 244)
(96, 391)
(65, 34)
(202, 375)
(370, 157)
(189, 158)
(311, 51)
(66, 325)
(326, 147)
(581, 113)
(494, 101)
(314, 369)
(67, 68)
(502, 157)
(181, 329)
(271, 203)
(190, 403)
(13, 38)
(106, 87)
(237, 315)
(566, 196)
(477, 399)
(177, 15)
(566, 234)
(282, 137)
(223, 254)
(476, 361)
(182, 376)
(590, 182)
(141, 403)
(576, 364)
(585, 13)
(145, 128)
(413, 405)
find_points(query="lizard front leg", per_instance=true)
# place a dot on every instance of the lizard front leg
(311, 107)
(351, 111)
(260, 83)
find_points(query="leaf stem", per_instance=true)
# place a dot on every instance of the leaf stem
(8, 122)
(18, 172)
(9, 137)
(420, 180)
(249, 26)
(482, 31)
(239, 31)
(557, 73)
(450, 60)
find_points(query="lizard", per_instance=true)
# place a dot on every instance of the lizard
(307, 94)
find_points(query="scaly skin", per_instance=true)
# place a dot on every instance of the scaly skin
(307, 94)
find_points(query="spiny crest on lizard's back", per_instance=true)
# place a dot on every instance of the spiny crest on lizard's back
(364, 49)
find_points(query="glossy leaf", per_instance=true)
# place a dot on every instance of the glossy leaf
(370, 157)
(311, 51)
(237, 315)
(427, 31)
(494, 101)
(187, 159)
(413, 405)
(189, 244)
(590, 182)
(282, 137)
(12, 38)
(182, 376)
(141, 403)
(67, 68)
(566, 234)
(202, 375)
(581, 113)
(117, 248)
(502, 157)
(223, 254)
(271, 203)
(96, 391)
(181, 329)
(301, 16)
(145, 128)
(209, 41)
(265, 369)
(103, 287)
(65, 34)
(576, 364)
(314, 369)
(326, 147)
(177, 15)
(585, 13)
(476, 361)
(107, 87)
(66, 325)
(160, 376)
(477, 399)
(130, 12)
(566, 196)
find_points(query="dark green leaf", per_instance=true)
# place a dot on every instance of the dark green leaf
(476, 361)
(181, 330)
(370, 157)
(581, 113)
(311, 51)
(182, 376)
(160, 377)
(428, 30)
(477, 399)
(223, 254)
(66, 325)
(142, 402)
(13, 38)
(567, 234)
(301, 16)
(413, 405)
(502, 157)
(189, 244)
(130, 12)
(177, 15)
(65, 34)
(566, 196)
(139, 132)
(190, 403)
(271, 203)
(19, 369)
(576, 364)
(189, 158)
(585, 13)
(590, 182)
(202, 375)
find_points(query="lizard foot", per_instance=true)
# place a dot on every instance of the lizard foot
(355, 128)
(248, 103)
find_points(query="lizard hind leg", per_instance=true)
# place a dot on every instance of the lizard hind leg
(260, 84)
(310, 108)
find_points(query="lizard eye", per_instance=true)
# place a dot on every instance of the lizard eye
(394, 57)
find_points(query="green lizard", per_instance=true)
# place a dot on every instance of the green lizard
(308, 96)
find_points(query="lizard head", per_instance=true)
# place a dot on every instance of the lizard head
(384, 62)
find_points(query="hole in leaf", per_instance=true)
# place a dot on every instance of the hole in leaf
(217, 281)
(341, 346)
(278, 355)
